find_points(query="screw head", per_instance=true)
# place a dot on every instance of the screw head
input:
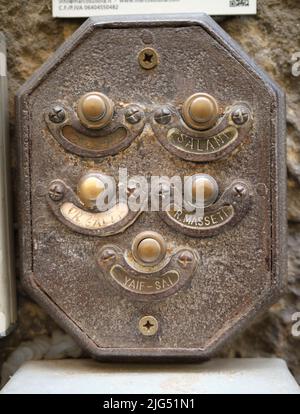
(148, 325)
(239, 190)
(56, 191)
(107, 254)
(148, 58)
(240, 115)
(133, 115)
(57, 114)
(185, 259)
(163, 116)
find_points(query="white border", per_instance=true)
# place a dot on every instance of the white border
(88, 8)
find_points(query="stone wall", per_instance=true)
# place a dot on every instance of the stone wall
(270, 38)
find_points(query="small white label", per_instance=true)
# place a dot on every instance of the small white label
(2, 64)
(87, 8)
(3, 323)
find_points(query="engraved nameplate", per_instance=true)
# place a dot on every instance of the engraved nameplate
(217, 218)
(68, 209)
(226, 212)
(137, 281)
(93, 221)
(144, 285)
(205, 145)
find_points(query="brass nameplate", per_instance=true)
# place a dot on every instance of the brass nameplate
(103, 143)
(202, 145)
(208, 220)
(93, 221)
(144, 285)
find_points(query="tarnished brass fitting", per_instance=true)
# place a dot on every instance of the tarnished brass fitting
(95, 110)
(149, 248)
(89, 188)
(205, 187)
(200, 111)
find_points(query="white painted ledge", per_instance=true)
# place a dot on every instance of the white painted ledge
(83, 376)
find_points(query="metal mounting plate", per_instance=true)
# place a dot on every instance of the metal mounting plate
(240, 270)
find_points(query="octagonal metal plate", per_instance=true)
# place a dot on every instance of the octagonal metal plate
(240, 269)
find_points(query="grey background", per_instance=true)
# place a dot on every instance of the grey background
(270, 38)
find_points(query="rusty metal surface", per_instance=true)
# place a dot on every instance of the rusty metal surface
(240, 270)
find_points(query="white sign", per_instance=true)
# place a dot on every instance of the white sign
(87, 8)
(2, 64)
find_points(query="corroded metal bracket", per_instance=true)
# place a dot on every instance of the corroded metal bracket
(69, 210)
(241, 269)
(231, 207)
(147, 283)
(85, 142)
(201, 146)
